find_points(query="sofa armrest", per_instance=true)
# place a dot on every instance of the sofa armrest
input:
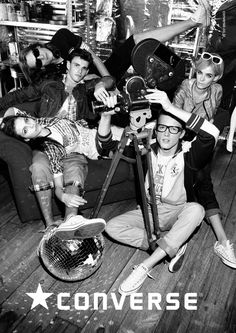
(18, 157)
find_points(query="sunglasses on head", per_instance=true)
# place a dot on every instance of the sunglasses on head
(36, 54)
(216, 59)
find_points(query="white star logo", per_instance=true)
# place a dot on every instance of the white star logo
(39, 297)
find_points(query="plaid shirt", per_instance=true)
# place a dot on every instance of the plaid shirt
(67, 136)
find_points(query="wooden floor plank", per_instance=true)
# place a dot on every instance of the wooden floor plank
(7, 213)
(202, 272)
(101, 282)
(34, 321)
(221, 161)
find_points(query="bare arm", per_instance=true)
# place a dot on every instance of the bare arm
(101, 89)
(96, 60)
(104, 126)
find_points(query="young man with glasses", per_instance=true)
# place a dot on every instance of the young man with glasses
(174, 165)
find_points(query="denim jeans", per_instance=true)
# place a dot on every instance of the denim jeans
(75, 168)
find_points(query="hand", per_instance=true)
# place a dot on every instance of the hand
(100, 92)
(73, 200)
(111, 101)
(202, 14)
(159, 96)
(85, 46)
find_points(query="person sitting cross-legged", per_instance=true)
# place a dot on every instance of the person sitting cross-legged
(174, 164)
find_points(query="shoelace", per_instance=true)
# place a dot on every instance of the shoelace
(230, 247)
(148, 274)
(71, 217)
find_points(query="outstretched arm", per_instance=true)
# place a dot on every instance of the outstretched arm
(96, 60)
(158, 96)
(229, 145)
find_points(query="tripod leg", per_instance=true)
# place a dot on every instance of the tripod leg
(152, 194)
(112, 169)
(143, 192)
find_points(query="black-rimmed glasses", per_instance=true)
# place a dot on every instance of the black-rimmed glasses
(36, 54)
(216, 59)
(172, 129)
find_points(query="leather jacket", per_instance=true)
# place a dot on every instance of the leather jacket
(52, 95)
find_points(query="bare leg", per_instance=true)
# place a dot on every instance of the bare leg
(43, 181)
(217, 226)
(45, 202)
(155, 257)
(71, 211)
(163, 34)
(229, 145)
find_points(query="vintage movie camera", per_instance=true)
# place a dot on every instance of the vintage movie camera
(160, 67)
(132, 98)
(156, 66)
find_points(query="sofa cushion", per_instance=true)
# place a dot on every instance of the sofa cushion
(98, 171)
(16, 157)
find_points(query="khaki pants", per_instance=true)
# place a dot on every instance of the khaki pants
(180, 222)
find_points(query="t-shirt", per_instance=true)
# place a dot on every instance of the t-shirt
(162, 162)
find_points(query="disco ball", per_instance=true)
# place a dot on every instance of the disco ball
(74, 259)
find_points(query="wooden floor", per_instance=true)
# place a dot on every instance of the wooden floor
(202, 273)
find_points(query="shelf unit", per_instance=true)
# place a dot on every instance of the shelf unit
(31, 32)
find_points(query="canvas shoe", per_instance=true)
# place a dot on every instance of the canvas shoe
(135, 280)
(226, 253)
(78, 227)
(177, 261)
(202, 15)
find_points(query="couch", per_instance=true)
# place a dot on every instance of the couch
(15, 159)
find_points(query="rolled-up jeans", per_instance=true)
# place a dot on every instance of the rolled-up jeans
(75, 169)
(179, 220)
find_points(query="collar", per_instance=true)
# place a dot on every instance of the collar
(64, 80)
(155, 147)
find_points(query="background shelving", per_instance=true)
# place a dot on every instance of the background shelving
(190, 43)
(79, 16)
